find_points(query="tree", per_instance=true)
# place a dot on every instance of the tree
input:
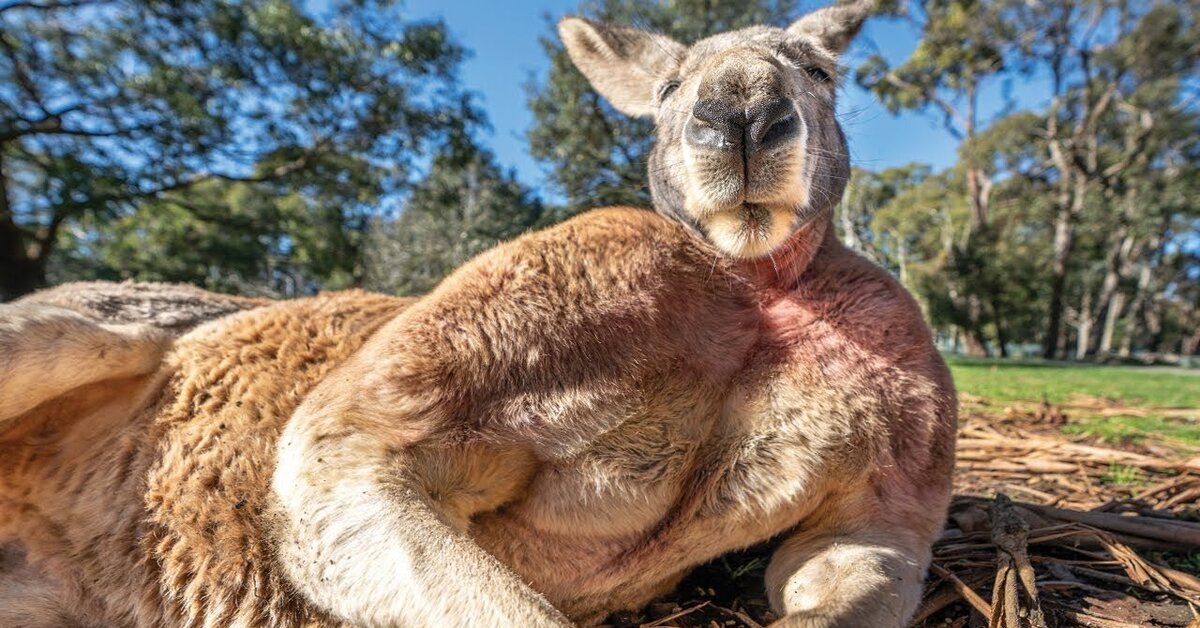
(224, 236)
(596, 155)
(111, 108)
(1122, 83)
(960, 51)
(465, 205)
(1108, 61)
(870, 224)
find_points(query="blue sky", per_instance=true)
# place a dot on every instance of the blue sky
(504, 39)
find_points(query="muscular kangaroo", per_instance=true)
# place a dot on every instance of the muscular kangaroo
(562, 428)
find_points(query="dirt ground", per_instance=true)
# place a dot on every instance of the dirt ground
(1046, 529)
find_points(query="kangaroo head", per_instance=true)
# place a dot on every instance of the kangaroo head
(748, 148)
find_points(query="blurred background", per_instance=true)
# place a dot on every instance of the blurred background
(1029, 169)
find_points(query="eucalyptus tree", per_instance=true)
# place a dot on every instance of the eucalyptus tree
(109, 104)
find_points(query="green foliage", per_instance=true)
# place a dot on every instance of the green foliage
(596, 155)
(230, 237)
(112, 111)
(1064, 219)
(1123, 475)
(464, 206)
(959, 49)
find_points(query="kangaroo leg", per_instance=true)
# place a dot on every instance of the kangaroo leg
(47, 350)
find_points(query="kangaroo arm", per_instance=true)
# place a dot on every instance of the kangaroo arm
(362, 540)
(535, 346)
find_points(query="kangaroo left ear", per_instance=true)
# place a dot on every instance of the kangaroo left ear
(833, 27)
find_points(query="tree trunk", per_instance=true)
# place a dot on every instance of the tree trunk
(1087, 322)
(975, 317)
(1063, 242)
(1001, 331)
(20, 273)
(975, 200)
(1114, 268)
(1154, 324)
(1190, 345)
(1111, 315)
(974, 344)
(1137, 310)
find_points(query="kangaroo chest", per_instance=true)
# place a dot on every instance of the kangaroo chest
(696, 471)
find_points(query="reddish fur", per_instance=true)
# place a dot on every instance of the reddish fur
(480, 383)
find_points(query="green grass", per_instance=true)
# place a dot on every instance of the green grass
(1000, 380)
(750, 567)
(1007, 381)
(1122, 475)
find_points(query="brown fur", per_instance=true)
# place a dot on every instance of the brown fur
(598, 454)
(563, 428)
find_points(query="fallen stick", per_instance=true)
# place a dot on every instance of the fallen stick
(1177, 533)
(965, 591)
(686, 611)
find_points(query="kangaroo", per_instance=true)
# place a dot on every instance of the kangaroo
(562, 428)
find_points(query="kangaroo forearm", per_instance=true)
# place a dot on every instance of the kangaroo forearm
(361, 539)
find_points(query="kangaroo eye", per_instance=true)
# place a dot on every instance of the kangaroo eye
(817, 74)
(667, 89)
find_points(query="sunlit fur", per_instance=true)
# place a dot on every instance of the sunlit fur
(563, 428)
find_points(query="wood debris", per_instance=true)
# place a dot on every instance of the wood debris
(1045, 530)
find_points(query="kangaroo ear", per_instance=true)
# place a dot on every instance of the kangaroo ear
(625, 65)
(833, 27)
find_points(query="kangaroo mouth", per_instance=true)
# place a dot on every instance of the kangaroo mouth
(749, 230)
(756, 219)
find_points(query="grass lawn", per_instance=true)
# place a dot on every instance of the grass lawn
(1148, 394)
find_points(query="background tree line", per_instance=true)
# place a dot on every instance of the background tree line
(264, 147)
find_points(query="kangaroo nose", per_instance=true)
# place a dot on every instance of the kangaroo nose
(716, 124)
(771, 122)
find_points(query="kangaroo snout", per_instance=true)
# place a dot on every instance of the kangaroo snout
(720, 125)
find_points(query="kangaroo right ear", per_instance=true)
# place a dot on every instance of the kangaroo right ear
(625, 65)
(833, 27)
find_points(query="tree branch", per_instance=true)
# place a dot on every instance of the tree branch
(22, 75)
(282, 170)
(948, 110)
(52, 124)
(45, 6)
